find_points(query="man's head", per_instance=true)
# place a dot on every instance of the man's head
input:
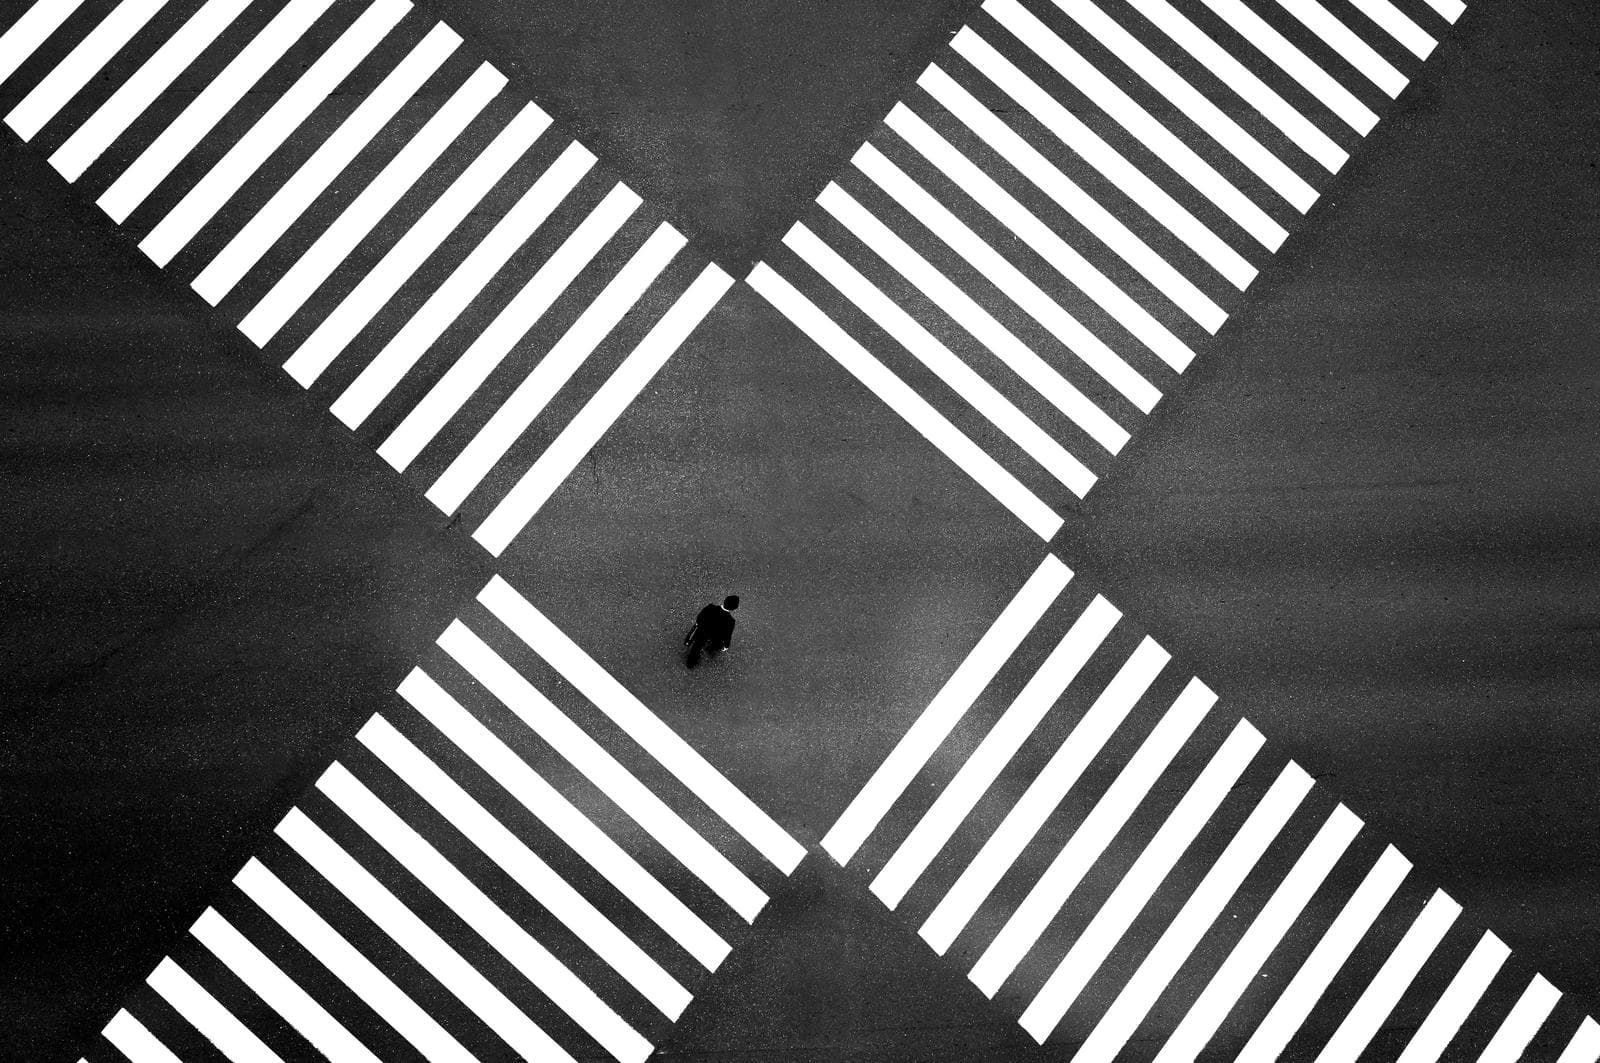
(731, 602)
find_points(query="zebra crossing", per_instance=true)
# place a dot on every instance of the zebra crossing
(318, 224)
(1038, 239)
(1124, 863)
(490, 866)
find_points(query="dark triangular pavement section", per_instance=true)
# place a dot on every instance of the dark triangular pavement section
(208, 585)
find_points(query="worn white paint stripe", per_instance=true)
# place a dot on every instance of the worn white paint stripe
(358, 973)
(163, 155)
(474, 907)
(1126, 177)
(23, 37)
(633, 716)
(1329, 955)
(1137, 121)
(1449, 10)
(980, 770)
(1234, 74)
(363, 213)
(966, 312)
(1399, 25)
(1427, 1045)
(1527, 1015)
(534, 488)
(1205, 114)
(420, 941)
(475, 461)
(465, 283)
(57, 88)
(468, 372)
(1355, 51)
(201, 203)
(927, 349)
(934, 426)
(329, 339)
(602, 769)
(1361, 1022)
(1139, 884)
(916, 747)
(1083, 207)
(1265, 934)
(564, 820)
(1292, 61)
(524, 866)
(1047, 790)
(296, 195)
(135, 95)
(208, 1015)
(995, 268)
(252, 967)
(1585, 1044)
(136, 1042)
(1198, 914)
(1024, 224)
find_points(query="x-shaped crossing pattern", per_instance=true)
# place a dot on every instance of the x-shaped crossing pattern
(1019, 263)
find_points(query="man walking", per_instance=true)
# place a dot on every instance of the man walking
(713, 630)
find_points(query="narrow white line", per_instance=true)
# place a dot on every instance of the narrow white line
(1460, 997)
(24, 36)
(1330, 954)
(445, 399)
(131, 1038)
(1205, 114)
(1585, 1044)
(297, 194)
(357, 972)
(949, 705)
(546, 803)
(391, 915)
(517, 413)
(634, 717)
(966, 312)
(310, 1019)
(1137, 121)
(1198, 914)
(1039, 236)
(1125, 176)
(917, 412)
(175, 143)
(1011, 281)
(1292, 61)
(69, 76)
(464, 284)
(1135, 888)
(1072, 199)
(961, 378)
(358, 219)
(1266, 932)
(1353, 49)
(1049, 788)
(229, 174)
(529, 494)
(208, 1015)
(1362, 1021)
(356, 310)
(1399, 26)
(620, 785)
(134, 96)
(524, 866)
(1529, 1013)
(1449, 10)
(961, 795)
(1234, 74)
(502, 933)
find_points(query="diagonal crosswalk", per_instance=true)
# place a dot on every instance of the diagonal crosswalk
(1061, 213)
